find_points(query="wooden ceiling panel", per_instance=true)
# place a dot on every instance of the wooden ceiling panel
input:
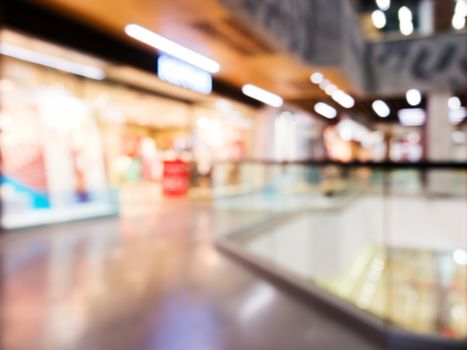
(208, 28)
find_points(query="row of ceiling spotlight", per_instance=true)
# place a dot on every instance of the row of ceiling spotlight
(176, 50)
(338, 95)
(406, 26)
(405, 17)
(414, 98)
(327, 111)
(161, 43)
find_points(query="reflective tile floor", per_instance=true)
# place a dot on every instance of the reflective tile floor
(152, 280)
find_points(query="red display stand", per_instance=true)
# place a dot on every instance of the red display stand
(175, 178)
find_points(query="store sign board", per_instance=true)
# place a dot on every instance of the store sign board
(183, 74)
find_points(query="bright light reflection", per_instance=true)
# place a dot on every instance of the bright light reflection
(257, 300)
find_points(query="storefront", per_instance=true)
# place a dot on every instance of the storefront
(70, 143)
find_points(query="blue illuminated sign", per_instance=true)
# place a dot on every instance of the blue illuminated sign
(183, 74)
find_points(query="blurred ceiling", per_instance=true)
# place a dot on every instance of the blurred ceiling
(208, 28)
(443, 11)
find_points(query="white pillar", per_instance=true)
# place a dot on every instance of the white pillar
(426, 19)
(438, 142)
(438, 128)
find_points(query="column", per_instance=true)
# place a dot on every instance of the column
(438, 133)
(425, 17)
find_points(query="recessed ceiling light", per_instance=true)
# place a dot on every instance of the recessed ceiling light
(457, 116)
(406, 28)
(342, 98)
(172, 48)
(405, 15)
(317, 78)
(454, 102)
(458, 22)
(324, 83)
(330, 89)
(379, 19)
(414, 97)
(325, 110)
(381, 108)
(405, 20)
(460, 257)
(262, 95)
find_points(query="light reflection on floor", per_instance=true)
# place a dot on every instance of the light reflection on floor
(149, 281)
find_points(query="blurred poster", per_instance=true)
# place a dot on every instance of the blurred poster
(52, 160)
(23, 178)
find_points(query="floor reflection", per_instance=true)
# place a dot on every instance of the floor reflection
(147, 281)
(186, 321)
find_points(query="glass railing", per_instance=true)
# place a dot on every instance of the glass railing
(22, 206)
(387, 242)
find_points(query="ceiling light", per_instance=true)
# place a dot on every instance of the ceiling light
(414, 97)
(52, 61)
(454, 102)
(412, 116)
(262, 95)
(383, 4)
(330, 89)
(405, 20)
(344, 99)
(381, 108)
(317, 78)
(406, 28)
(461, 8)
(325, 110)
(405, 15)
(379, 19)
(460, 257)
(324, 83)
(172, 48)
(457, 116)
(458, 22)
